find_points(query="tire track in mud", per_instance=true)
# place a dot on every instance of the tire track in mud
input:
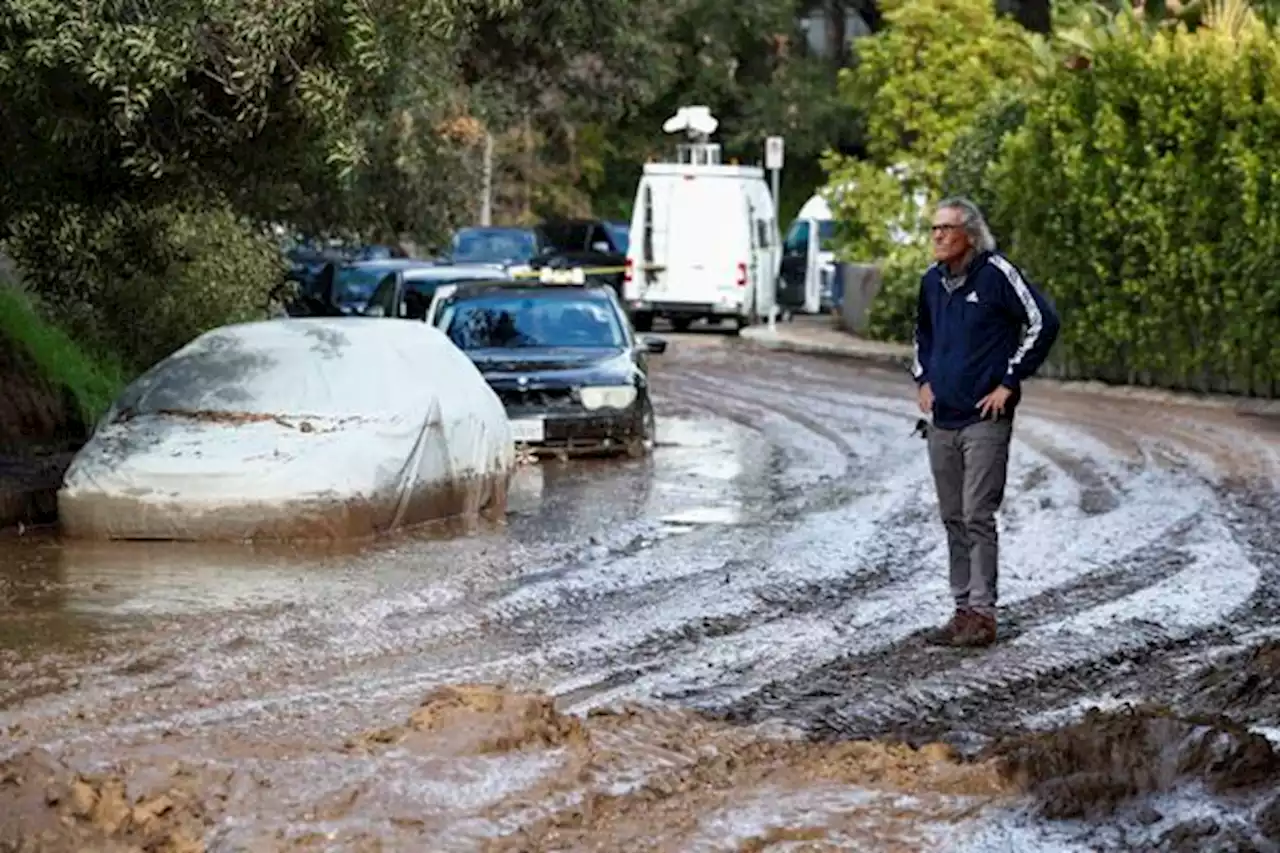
(1101, 492)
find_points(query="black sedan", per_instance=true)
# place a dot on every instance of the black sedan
(563, 359)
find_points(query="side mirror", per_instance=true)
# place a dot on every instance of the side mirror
(601, 246)
(375, 311)
(656, 346)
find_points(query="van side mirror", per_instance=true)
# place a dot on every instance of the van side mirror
(601, 246)
(656, 346)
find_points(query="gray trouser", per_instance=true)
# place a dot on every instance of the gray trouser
(970, 466)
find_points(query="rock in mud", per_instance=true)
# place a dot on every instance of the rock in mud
(1088, 769)
(477, 719)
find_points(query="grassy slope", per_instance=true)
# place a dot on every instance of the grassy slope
(94, 383)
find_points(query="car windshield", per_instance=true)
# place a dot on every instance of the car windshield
(494, 246)
(621, 235)
(507, 320)
(356, 284)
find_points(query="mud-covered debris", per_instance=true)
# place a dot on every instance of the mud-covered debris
(1090, 767)
(1247, 685)
(478, 719)
(50, 808)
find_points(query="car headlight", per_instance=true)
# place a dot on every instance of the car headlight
(607, 396)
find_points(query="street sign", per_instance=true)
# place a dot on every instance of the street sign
(773, 152)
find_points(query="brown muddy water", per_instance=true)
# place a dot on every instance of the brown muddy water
(718, 648)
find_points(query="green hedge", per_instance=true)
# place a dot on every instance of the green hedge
(1144, 191)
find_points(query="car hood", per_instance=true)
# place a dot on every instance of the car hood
(567, 364)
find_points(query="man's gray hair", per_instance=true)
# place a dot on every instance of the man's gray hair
(975, 224)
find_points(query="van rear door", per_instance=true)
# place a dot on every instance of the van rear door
(702, 228)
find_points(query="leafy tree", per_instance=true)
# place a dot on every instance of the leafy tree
(131, 127)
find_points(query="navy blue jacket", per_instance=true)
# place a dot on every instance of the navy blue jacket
(994, 329)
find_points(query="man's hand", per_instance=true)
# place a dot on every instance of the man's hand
(924, 397)
(994, 402)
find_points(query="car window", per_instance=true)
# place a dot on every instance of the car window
(621, 235)
(494, 246)
(516, 320)
(384, 296)
(566, 237)
(355, 285)
(797, 242)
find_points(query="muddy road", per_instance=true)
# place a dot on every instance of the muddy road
(718, 648)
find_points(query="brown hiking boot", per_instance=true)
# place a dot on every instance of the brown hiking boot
(947, 634)
(979, 630)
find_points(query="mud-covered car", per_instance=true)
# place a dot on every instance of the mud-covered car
(564, 360)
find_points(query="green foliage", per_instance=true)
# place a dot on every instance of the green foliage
(143, 281)
(973, 153)
(1145, 192)
(893, 311)
(94, 383)
(286, 109)
(919, 83)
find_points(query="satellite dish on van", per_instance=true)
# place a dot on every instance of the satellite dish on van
(696, 121)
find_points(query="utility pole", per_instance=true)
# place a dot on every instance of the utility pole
(486, 201)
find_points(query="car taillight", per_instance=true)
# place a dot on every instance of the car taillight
(629, 268)
(742, 275)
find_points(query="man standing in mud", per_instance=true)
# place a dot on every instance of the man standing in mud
(981, 330)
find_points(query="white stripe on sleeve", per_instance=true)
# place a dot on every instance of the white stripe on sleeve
(1035, 320)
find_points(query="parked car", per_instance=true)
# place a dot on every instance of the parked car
(302, 429)
(505, 248)
(344, 289)
(592, 244)
(563, 359)
(407, 294)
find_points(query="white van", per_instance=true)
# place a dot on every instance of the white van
(704, 242)
(808, 261)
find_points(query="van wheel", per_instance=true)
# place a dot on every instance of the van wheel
(643, 321)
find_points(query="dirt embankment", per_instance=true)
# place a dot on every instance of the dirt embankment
(40, 427)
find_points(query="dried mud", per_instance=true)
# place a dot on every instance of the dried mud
(458, 501)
